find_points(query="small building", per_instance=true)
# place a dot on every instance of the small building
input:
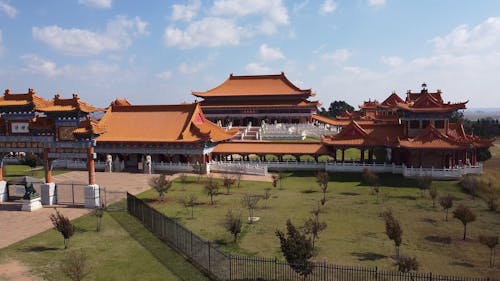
(241, 100)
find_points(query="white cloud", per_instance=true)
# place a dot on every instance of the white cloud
(257, 68)
(208, 32)
(376, 3)
(338, 56)
(9, 10)
(270, 54)
(191, 68)
(392, 61)
(185, 12)
(465, 39)
(300, 5)
(329, 6)
(118, 35)
(165, 75)
(272, 10)
(102, 4)
(38, 65)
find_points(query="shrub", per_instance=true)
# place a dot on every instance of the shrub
(393, 229)
(64, 226)
(161, 184)
(406, 264)
(75, 266)
(297, 249)
(232, 223)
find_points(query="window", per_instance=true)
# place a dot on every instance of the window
(425, 124)
(414, 124)
(439, 124)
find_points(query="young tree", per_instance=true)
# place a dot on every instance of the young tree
(313, 226)
(491, 198)
(465, 215)
(470, 185)
(275, 180)
(490, 242)
(98, 213)
(75, 266)
(281, 178)
(228, 183)
(190, 201)
(376, 189)
(161, 184)
(233, 224)
(266, 196)
(322, 179)
(446, 202)
(183, 178)
(297, 249)
(433, 192)
(424, 183)
(406, 264)
(370, 178)
(64, 226)
(238, 180)
(393, 229)
(250, 202)
(212, 188)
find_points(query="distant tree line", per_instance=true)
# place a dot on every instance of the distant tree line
(336, 108)
(484, 127)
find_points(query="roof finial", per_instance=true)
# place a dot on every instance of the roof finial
(31, 91)
(57, 96)
(424, 88)
(75, 96)
(7, 92)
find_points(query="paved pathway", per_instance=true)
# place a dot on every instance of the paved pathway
(16, 225)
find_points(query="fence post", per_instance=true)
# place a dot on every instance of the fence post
(275, 268)
(376, 273)
(430, 276)
(209, 267)
(230, 267)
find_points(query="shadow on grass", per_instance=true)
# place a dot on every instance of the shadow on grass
(39, 249)
(368, 256)
(349, 193)
(439, 239)
(163, 253)
(406, 197)
(463, 264)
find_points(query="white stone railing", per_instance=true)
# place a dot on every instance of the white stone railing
(172, 167)
(443, 173)
(68, 164)
(248, 168)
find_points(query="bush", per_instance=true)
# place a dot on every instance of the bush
(32, 160)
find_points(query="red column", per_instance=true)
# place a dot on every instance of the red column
(370, 155)
(362, 155)
(46, 166)
(90, 166)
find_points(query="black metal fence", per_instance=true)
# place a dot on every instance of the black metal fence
(223, 266)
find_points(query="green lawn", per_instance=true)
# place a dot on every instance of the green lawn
(123, 250)
(355, 234)
(14, 171)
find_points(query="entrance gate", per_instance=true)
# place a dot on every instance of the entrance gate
(70, 193)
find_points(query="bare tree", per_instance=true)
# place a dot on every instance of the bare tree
(275, 180)
(447, 203)
(433, 192)
(322, 178)
(233, 224)
(250, 202)
(161, 184)
(370, 178)
(393, 229)
(183, 178)
(238, 180)
(228, 183)
(313, 226)
(98, 213)
(266, 196)
(75, 265)
(190, 201)
(281, 178)
(424, 183)
(64, 226)
(212, 188)
(465, 215)
(406, 264)
(490, 242)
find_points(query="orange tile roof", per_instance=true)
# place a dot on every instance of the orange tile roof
(431, 138)
(367, 135)
(270, 103)
(159, 123)
(69, 105)
(265, 147)
(391, 101)
(255, 85)
(339, 122)
(26, 99)
(369, 104)
(89, 126)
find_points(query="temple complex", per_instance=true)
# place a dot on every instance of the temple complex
(241, 100)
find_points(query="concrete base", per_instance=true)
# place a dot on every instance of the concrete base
(31, 205)
(3, 191)
(49, 193)
(92, 196)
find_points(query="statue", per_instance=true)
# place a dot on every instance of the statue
(148, 165)
(109, 163)
(30, 192)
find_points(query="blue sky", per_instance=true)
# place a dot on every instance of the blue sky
(159, 51)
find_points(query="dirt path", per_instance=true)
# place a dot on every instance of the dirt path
(15, 271)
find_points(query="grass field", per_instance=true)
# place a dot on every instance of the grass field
(123, 250)
(355, 234)
(14, 171)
